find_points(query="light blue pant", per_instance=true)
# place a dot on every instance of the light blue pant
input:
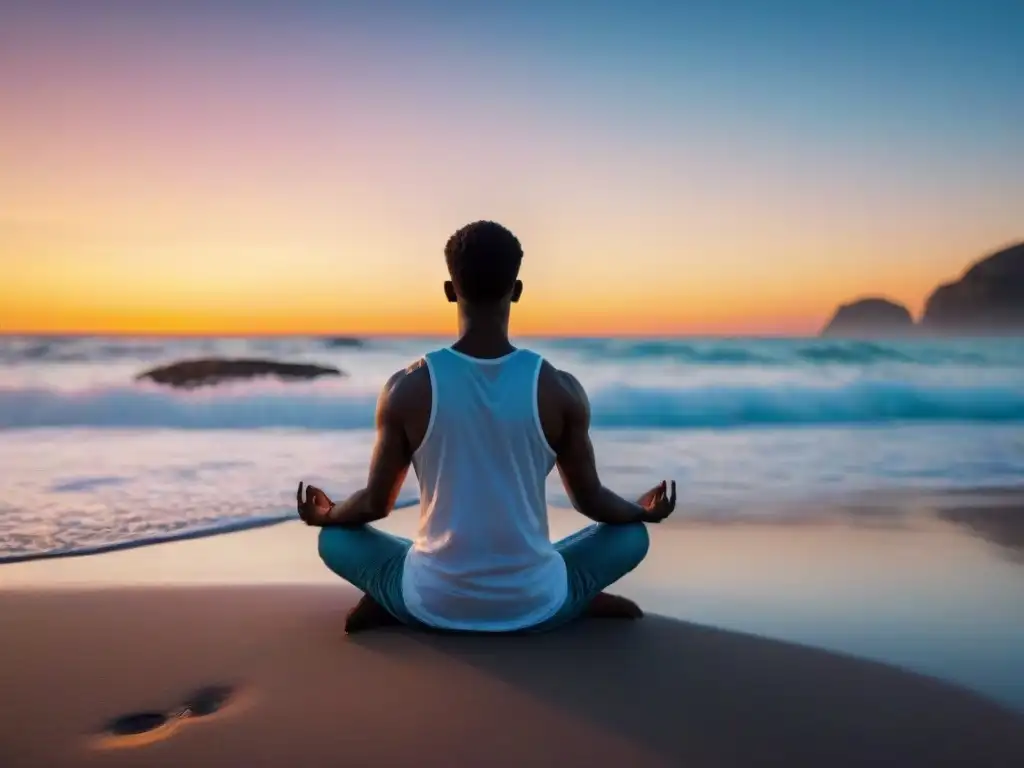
(595, 558)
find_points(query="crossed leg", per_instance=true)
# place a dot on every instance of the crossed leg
(595, 558)
(371, 561)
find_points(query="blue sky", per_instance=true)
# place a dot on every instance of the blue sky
(786, 154)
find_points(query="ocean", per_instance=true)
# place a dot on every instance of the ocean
(750, 428)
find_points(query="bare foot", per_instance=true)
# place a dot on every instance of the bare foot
(368, 614)
(608, 606)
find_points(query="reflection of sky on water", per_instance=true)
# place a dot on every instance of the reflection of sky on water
(75, 489)
(925, 597)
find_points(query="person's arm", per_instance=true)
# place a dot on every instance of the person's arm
(389, 464)
(578, 468)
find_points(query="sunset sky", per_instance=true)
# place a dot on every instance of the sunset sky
(718, 167)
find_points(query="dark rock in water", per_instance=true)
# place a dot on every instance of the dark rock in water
(189, 374)
(870, 317)
(987, 299)
(343, 341)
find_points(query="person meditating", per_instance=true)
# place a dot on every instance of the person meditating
(483, 424)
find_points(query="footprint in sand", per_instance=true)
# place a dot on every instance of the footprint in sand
(141, 728)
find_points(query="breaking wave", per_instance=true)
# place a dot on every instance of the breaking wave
(616, 406)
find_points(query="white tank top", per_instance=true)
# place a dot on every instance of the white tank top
(483, 559)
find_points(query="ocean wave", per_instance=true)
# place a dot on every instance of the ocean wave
(738, 352)
(617, 406)
(71, 350)
(98, 349)
(675, 350)
(788, 352)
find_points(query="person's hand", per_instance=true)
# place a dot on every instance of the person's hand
(315, 509)
(659, 502)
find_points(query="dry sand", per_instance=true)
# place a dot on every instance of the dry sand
(654, 692)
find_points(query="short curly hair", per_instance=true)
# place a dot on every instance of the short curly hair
(483, 261)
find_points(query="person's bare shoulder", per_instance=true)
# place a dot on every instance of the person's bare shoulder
(406, 398)
(408, 381)
(561, 401)
(561, 385)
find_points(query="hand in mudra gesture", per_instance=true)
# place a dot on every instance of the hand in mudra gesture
(315, 508)
(659, 502)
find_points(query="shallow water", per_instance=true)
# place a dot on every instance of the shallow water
(919, 593)
(69, 490)
(749, 427)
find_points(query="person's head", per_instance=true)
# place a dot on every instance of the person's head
(483, 262)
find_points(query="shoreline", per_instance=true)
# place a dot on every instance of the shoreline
(234, 526)
(970, 507)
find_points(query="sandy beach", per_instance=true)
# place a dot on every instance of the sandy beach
(93, 638)
(658, 692)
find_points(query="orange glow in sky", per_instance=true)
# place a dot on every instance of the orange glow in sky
(254, 183)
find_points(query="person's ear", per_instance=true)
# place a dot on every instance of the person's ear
(449, 292)
(517, 291)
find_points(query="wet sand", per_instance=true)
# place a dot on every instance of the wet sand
(89, 639)
(654, 692)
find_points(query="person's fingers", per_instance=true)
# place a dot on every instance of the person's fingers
(649, 497)
(305, 505)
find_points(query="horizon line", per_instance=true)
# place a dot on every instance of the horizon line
(389, 335)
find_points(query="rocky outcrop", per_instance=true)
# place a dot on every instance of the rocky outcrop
(987, 299)
(189, 374)
(344, 342)
(870, 317)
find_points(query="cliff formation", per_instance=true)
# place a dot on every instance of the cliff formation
(987, 299)
(873, 316)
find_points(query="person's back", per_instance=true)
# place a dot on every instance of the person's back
(482, 558)
(483, 424)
